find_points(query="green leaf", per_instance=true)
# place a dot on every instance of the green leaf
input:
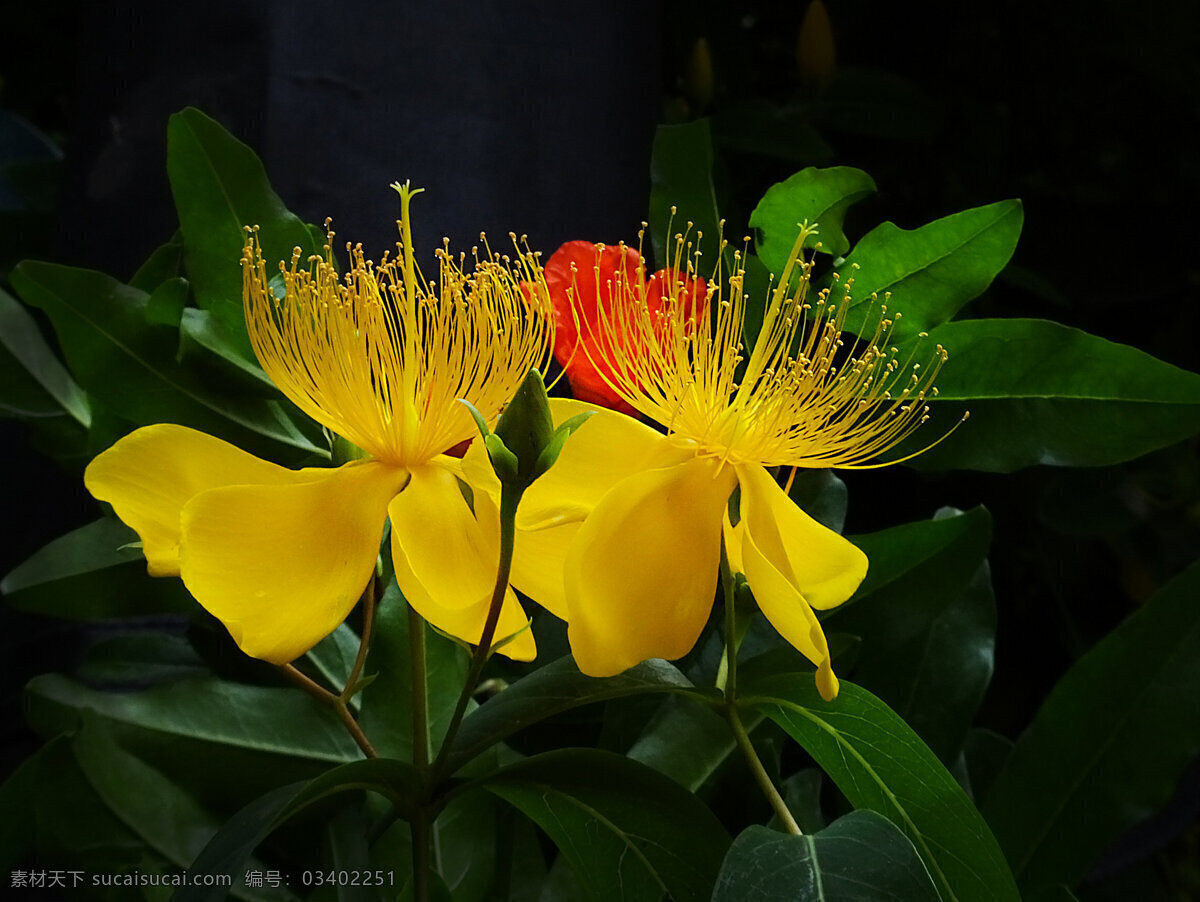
(130, 365)
(687, 741)
(681, 166)
(200, 329)
(19, 335)
(880, 764)
(334, 657)
(387, 703)
(1042, 393)
(220, 186)
(158, 811)
(18, 794)
(1109, 743)
(861, 857)
(820, 196)
(984, 754)
(92, 573)
(557, 687)
(165, 263)
(628, 832)
(230, 848)
(165, 305)
(821, 495)
(933, 271)
(139, 659)
(282, 721)
(927, 622)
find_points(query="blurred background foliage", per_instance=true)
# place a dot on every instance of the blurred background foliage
(1082, 110)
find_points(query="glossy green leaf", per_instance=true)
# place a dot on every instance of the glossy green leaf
(557, 687)
(880, 764)
(1042, 393)
(928, 629)
(92, 573)
(20, 337)
(130, 365)
(387, 702)
(220, 186)
(818, 196)
(628, 832)
(861, 857)
(233, 844)
(1108, 745)
(933, 271)
(283, 721)
(681, 166)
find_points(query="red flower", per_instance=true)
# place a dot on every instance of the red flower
(575, 272)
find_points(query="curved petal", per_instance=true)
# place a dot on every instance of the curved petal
(789, 613)
(282, 565)
(642, 571)
(150, 474)
(538, 561)
(466, 621)
(791, 561)
(451, 550)
(606, 449)
(824, 567)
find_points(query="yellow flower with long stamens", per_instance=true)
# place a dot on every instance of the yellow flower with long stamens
(634, 518)
(380, 357)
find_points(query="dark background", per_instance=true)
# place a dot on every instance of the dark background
(539, 118)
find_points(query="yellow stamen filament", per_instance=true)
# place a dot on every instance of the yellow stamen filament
(810, 395)
(380, 356)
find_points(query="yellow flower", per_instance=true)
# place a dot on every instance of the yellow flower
(380, 357)
(633, 519)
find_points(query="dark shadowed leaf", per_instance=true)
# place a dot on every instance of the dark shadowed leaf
(861, 857)
(628, 832)
(681, 165)
(1108, 745)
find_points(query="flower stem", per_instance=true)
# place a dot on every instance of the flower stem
(761, 777)
(420, 691)
(509, 497)
(321, 694)
(368, 603)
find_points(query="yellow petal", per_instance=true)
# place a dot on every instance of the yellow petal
(789, 559)
(734, 536)
(538, 561)
(642, 572)
(824, 567)
(465, 621)
(452, 551)
(282, 565)
(149, 475)
(446, 557)
(606, 449)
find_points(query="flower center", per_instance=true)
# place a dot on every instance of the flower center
(381, 356)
